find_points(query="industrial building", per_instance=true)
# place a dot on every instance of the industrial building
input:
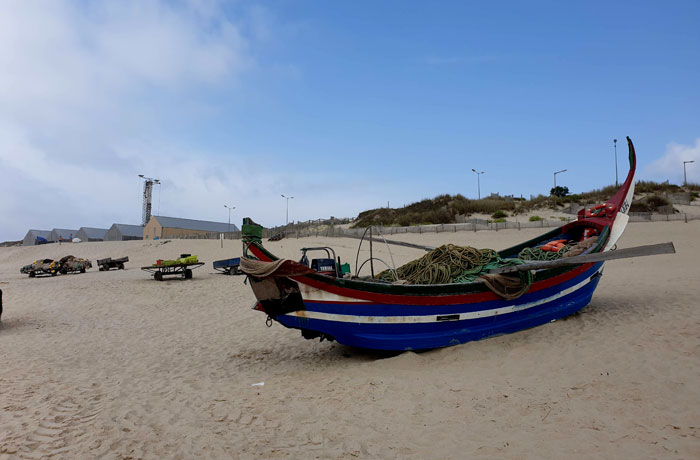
(174, 227)
(36, 237)
(91, 234)
(124, 232)
(62, 234)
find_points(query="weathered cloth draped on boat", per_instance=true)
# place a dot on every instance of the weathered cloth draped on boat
(279, 267)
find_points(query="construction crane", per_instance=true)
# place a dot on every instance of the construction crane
(147, 196)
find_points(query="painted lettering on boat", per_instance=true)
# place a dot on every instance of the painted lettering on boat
(625, 206)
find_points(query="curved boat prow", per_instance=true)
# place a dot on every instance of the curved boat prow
(622, 200)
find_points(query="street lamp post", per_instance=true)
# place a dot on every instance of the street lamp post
(230, 208)
(685, 178)
(615, 145)
(288, 198)
(478, 180)
(555, 176)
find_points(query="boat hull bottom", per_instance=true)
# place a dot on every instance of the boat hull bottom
(441, 334)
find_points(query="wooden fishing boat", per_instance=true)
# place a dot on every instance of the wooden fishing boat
(366, 313)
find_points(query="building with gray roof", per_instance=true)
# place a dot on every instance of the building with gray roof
(34, 237)
(175, 227)
(63, 234)
(91, 234)
(124, 232)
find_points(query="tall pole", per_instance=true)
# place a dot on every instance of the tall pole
(555, 176)
(147, 198)
(685, 178)
(230, 208)
(615, 145)
(478, 181)
(288, 198)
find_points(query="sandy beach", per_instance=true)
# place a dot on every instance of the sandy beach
(114, 365)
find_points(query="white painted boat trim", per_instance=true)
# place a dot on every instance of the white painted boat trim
(434, 318)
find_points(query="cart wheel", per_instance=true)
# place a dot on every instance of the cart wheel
(32, 274)
(188, 273)
(54, 273)
(158, 276)
(121, 267)
(82, 270)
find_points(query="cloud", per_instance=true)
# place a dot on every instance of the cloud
(85, 82)
(670, 165)
(95, 93)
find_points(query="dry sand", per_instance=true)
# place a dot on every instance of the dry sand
(118, 366)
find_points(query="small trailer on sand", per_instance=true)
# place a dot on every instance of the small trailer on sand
(109, 263)
(228, 266)
(179, 267)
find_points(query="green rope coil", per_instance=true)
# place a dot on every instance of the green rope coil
(448, 264)
(538, 254)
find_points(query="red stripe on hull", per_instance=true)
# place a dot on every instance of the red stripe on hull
(422, 299)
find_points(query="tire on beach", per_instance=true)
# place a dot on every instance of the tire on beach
(188, 274)
(158, 276)
(32, 274)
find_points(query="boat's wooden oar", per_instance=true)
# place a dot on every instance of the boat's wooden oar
(637, 251)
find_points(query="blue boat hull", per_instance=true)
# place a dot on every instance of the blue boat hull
(415, 327)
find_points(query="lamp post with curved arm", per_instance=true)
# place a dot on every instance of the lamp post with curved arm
(555, 176)
(288, 198)
(230, 208)
(478, 181)
(685, 178)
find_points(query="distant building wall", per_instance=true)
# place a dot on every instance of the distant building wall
(152, 230)
(30, 237)
(91, 234)
(181, 233)
(116, 232)
(113, 234)
(63, 234)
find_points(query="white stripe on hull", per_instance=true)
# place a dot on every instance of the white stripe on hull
(313, 294)
(433, 318)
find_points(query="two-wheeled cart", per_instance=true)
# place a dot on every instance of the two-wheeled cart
(184, 270)
(109, 263)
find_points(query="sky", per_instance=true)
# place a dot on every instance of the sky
(346, 106)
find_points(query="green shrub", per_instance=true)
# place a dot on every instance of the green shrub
(656, 201)
(640, 206)
(499, 214)
(535, 218)
(499, 220)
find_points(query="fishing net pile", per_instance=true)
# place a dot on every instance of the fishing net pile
(447, 264)
(462, 264)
